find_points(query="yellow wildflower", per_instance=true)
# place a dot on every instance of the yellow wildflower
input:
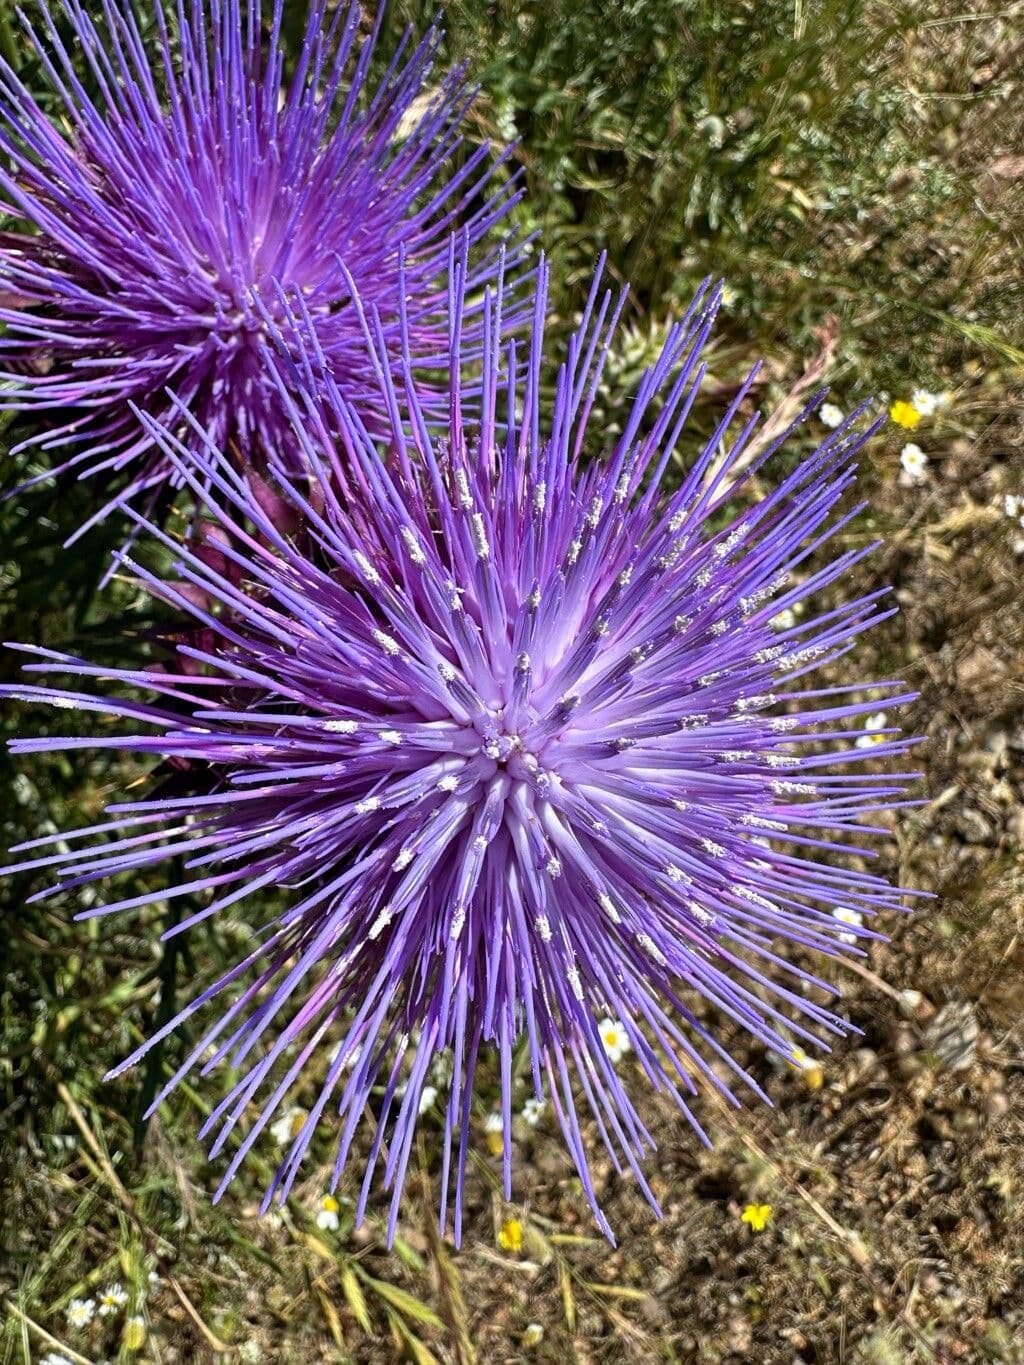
(133, 1337)
(510, 1237)
(810, 1069)
(757, 1215)
(494, 1128)
(904, 414)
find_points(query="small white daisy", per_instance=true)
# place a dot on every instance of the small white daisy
(831, 415)
(532, 1111)
(847, 916)
(427, 1097)
(914, 463)
(327, 1214)
(871, 736)
(785, 619)
(1013, 506)
(926, 403)
(288, 1125)
(614, 1039)
(80, 1312)
(115, 1296)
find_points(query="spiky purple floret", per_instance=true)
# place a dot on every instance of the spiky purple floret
(182, 205)
(520, 735)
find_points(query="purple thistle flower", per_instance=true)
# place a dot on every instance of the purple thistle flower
(518, 734)
(195, 193)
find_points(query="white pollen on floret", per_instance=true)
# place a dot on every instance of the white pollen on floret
(608, 906)
(493, 749)
(731, 541)
(446, 671)
(769, 655)
(533, 601)
(709, 846)
(626, 576)
(761, 822)
(480, 844)
(553, 867)
(402, 861)
(681, 805)
(701, 915)
(543, 927)
(412, 544)
(364, 807)
(575, 984)
(387, 643)
(681, 624)
(458, 920)
(341, 727)
(755, 703)
(793, 788)
(480, 544)
(651, 948)
(622, 488)
(540, 496)
(720, 627)
(705, 576)
(781, 760)
(454, 597)
(802, 656)
(676, 874)
(569, 700)
(600, 627)
(523, 663)
(694, 722)
(594, 511)
(366, 568)
(709, 679)
(389, 736)
(574, 551)
(781, 724)
(737, 755)
(755, 599)
(448, 783)
(381, 922)
(677, 521)
(462, 485)
(748, 893)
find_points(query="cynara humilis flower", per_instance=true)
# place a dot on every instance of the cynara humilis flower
(189, 187)
(517, 733)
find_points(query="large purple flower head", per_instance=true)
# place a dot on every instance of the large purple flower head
(520, 737)
(190, 190)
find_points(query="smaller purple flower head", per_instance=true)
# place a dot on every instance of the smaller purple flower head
(188, 189)
(524, 738)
